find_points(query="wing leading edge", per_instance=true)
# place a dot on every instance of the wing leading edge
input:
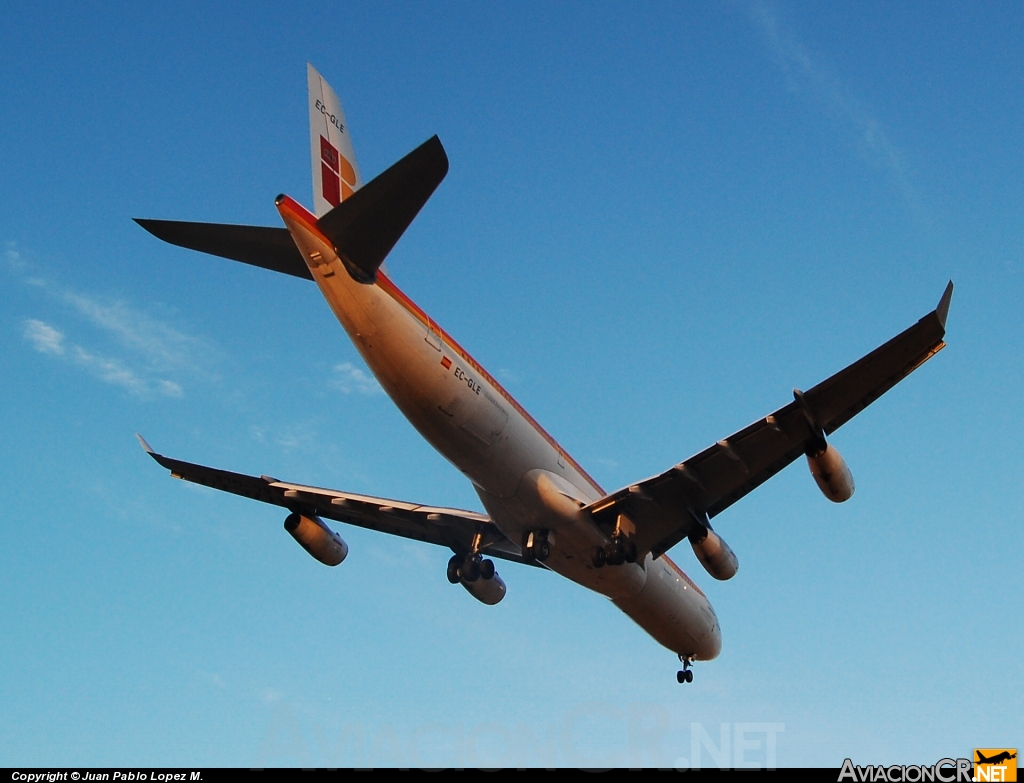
(665, 508)
(449, 527)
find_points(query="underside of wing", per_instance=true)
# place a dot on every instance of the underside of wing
(453, 528)
(668, 507)
(268, 248)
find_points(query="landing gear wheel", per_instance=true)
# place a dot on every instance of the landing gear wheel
(685, 675)
(487, 569)
(453, 569)
(470, 570)
(629, 551)
(541, 550)
(536, 547)
(598, 558)
(613, 554)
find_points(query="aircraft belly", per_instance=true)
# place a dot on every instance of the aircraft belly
(573, 541)
(464, 421)
(654, 594)
(399, 351)
(456, 418)
(673, 611)
(472, 424)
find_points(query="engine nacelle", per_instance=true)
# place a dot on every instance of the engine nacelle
(316, 538)
(831, 474)
(715, 555)
(488, 591)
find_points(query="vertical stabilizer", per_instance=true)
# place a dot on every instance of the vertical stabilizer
(335, 172)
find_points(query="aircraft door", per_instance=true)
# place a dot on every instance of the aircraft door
(433, 336)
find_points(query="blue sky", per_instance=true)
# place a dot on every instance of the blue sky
(659, 219)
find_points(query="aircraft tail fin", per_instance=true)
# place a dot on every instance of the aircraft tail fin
(335, 171)
(364, 228)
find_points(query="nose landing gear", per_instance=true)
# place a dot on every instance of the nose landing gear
(685, 674)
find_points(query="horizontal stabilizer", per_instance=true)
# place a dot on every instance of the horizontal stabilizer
(270, 248)
(364, 227)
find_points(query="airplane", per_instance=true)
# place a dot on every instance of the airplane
(996, 759)
(542, 508)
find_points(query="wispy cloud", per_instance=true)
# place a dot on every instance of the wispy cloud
(169, 388)
(48, 340)
(43, 337)
(805, 74)
(110, 370)
(13, 258)
(158, 343)
(507, 375)
(349, 379)
(142, 354)
(292, 437)
(270, 695)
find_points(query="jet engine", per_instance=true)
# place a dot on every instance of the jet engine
(827, 465)
(830, 473)
(488, 591)
(316, 538)
(714, 554)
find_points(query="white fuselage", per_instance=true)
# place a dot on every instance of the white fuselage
(525, 480)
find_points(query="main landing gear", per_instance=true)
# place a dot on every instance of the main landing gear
(619, 550)
(469, 568)
(685, 674)
(537, 547)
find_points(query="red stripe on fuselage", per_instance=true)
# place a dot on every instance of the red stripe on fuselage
(390, 288)
(386, 285)
(682, 573)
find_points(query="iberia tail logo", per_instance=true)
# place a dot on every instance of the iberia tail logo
(337, 174)
(998, 764)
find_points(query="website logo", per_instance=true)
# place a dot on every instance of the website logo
(999, 764)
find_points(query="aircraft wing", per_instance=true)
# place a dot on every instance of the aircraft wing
(448, 527)
(665, 508)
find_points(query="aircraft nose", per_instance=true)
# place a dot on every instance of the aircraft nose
(711, 642)
(711, 645)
